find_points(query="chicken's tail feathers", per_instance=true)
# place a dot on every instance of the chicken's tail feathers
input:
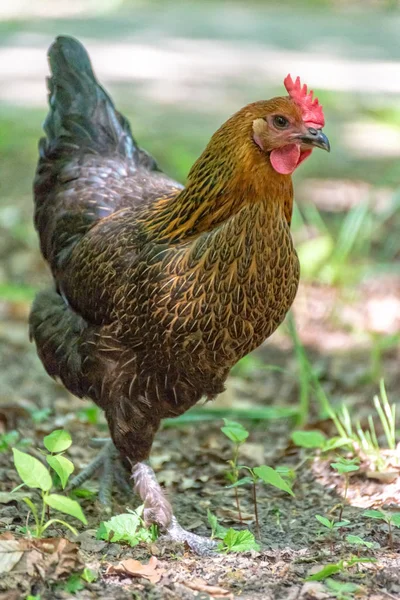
(82, 115)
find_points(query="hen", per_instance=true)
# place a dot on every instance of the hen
(158, 289)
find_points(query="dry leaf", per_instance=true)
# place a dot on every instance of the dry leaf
(52, 558)
(10, 555)
(137, 569)
(383, 477)
(229, 514)
(199, 585)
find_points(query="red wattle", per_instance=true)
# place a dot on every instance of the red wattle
(284, 160)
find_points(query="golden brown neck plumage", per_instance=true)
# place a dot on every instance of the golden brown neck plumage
(231, 173)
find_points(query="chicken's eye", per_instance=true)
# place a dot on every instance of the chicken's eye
(280, 122)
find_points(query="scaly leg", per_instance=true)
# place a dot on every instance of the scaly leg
(133, 435)
(112, 470)
(158, 510)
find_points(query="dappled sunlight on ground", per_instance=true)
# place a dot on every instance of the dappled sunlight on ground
(179, 70)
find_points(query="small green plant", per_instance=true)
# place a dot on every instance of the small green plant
(76, 581)
(72, 585)
(36, 476)
(39, 415)
(217, 530)
(332, 527)
(56, 443)
(232, 540)
(345, 466)
(13, 439)
(342, 590)
(364, 442)
(8, 440)
(238, 541)
(391, 519)
(339, 567)
(359, 541)
(316, 440)
(89, 414)
(266, 475)
(238, 435)
(89, 575)
(127, 528)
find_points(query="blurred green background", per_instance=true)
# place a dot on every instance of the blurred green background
(178, 70)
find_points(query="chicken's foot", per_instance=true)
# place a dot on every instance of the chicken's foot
(108, 461)
(158, 510)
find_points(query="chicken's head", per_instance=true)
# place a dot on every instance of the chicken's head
(289, 128)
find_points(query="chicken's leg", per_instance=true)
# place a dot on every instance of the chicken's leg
(107, 461)
(158, 510)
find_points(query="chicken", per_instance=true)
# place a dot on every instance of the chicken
(158, 289)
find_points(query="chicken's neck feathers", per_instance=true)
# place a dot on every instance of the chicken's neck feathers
(217, 190)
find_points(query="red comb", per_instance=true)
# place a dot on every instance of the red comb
(312, 111)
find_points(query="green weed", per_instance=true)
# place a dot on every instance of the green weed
(37, 477)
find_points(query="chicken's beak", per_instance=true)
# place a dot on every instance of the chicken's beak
(315, 137)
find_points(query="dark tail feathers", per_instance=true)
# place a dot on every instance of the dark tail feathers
(81, 112)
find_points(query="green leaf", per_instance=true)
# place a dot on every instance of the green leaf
(66, 506)
(126, 527)
(375, 514)
(32, 472)
(50, 522)
(287, 473)
(73, 584)
(83, 493)
(270, 476)
(57, 441)
(395, 518)
(238, 541)
(344, 468)
(242, 481)
(89, 575)
(40, 414)
(217, 530)
(343, 587)
(9, 439)
(324, 521)
(62, 466)
(355, 539)
(346, 465)
(235, 431)
(325, 572)
(343, 523)
(337, 442)
(33, 509)
(309, 439)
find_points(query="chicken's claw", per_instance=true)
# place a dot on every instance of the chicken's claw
(198, 544)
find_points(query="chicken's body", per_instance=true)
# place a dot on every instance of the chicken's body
(159, 290)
